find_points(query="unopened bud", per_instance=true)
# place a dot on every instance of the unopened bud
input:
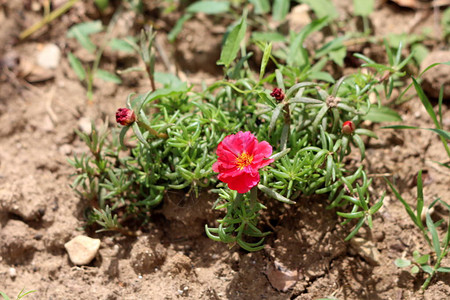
(278, 94)
(125, 116)
(348, 127)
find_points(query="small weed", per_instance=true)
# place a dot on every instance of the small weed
(87, 73)
(21, 295)
(440, 247)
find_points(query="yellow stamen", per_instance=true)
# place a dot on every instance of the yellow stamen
(244, 160)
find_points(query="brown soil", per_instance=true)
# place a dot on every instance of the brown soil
(304, 258)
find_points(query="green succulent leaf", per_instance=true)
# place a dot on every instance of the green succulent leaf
(271, 193)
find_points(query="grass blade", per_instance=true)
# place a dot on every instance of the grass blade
(5, 297)
(209, 7)
(426, 103)
(265, 60)
(77, 67)
(382, 114)
(419, 197)
(280, 9)
(233, 42)
(441, 97)
(434, 235)
(406, 205)
(107, 76)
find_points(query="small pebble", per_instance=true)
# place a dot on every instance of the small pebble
(65, 149)
(82, 249)
(235, 257)
(85, 125)
(49, 56)
(12, 273)
(38, 237)
(379, 236)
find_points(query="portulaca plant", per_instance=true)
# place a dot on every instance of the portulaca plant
(252, 137)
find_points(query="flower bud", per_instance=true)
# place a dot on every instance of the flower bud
(278, 94)
(125, 116)
(348, 127)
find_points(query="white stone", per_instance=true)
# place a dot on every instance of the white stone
(49, 56)
(82, 249)
(85, 125)
(12, 273)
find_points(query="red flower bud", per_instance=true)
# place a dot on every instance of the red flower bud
(278, 94)
(125, 116)
(348, 127)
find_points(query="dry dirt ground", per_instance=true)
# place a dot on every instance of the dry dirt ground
(172, 258)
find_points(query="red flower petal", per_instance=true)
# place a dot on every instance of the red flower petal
(240, 156)
(243, 182)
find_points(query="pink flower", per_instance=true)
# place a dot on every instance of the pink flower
(348, 127)
(125, 116)
(240, 156)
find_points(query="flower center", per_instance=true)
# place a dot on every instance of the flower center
(244, 160)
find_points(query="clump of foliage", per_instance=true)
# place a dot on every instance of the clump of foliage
(312, 128)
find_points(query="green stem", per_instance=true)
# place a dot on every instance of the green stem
(99, 53)
(153, 131)
(436, 266)
(47, 19)
(236, 203)
(253, 197)
(445, 145)
(151, 77)
(425, 235)
(366, 25)
(222, 82)
(286, 127)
